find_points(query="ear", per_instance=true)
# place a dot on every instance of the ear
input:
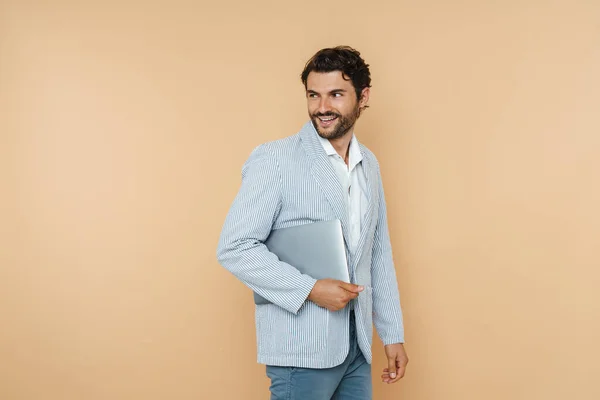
(364, 97)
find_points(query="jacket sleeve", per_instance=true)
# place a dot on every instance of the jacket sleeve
(387, 318)
(248, 224)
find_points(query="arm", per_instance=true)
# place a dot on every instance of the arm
(386, 298)
(388, 318)
(247, 226)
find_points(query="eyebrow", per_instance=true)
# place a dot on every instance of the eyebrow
(330, 92)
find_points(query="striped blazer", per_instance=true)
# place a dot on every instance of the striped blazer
(289, 182)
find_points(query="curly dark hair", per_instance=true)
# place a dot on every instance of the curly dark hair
(344, 59)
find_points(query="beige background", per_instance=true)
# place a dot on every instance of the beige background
(123, 130)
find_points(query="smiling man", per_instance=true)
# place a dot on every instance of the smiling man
(315, 336)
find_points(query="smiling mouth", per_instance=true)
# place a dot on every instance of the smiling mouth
(327, 120)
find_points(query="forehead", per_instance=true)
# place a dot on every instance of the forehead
(327, 81)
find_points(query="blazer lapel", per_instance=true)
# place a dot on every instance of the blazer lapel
(371, 179)
(324, 174)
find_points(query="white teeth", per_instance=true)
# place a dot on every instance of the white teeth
(327, 119)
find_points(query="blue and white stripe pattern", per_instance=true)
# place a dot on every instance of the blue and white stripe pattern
(290, 182)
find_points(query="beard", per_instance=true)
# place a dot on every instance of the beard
(342, 125)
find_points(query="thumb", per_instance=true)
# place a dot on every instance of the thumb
(392, 366)
(351, 287)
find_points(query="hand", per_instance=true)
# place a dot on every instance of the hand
(333, 294)
(397, 360)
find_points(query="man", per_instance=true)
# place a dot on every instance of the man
(315, 336)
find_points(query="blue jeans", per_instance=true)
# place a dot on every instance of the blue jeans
(349, 381)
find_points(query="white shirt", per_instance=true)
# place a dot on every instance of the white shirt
(354, 185)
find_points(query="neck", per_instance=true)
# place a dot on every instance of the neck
(342, 145)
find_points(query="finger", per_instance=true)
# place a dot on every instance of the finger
(396, 379)
(347, 297)
(351, 287)
(352, 295)
(402, 363)
(399, 374)
(392, 366)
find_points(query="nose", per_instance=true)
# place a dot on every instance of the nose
(324, 105)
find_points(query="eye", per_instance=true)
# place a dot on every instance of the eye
(337, 95)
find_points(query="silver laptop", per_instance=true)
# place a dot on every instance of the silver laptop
(316, 249)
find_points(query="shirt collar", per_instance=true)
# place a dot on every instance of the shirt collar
(354, 153)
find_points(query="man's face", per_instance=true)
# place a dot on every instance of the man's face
(332, 103)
